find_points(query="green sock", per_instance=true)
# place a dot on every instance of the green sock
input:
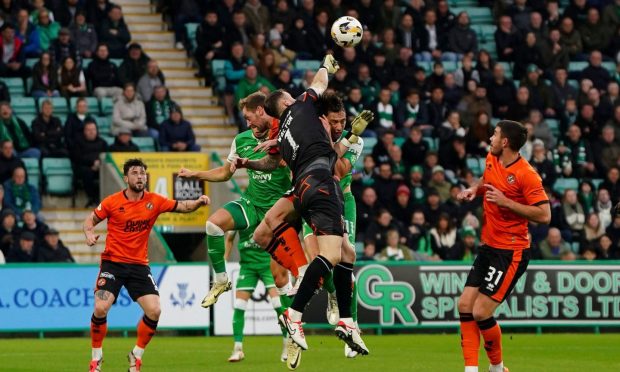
(216, 248)
(238, 323)
(286, 302)
(279, 311)
(354, 302)
(328, 283)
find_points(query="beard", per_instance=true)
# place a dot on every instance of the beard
(496, 153)
(138, 187)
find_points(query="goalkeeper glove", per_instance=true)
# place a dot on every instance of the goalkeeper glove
(359, 124)
(330, 64)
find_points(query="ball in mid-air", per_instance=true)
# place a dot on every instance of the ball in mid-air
(347, 32)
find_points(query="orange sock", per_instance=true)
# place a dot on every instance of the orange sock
(98, 330)
(492, 335)
(146, 331)
(470, 339)
(285, 248)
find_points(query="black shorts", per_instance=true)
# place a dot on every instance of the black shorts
(495, 272)
(319, 201)
(136, 278)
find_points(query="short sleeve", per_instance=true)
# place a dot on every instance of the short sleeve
(533, 190)
(165, 204)
(104, 208)
(233, 151)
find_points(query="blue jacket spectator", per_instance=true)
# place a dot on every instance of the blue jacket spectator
(176, 134)
(20, 195)
(28, 34)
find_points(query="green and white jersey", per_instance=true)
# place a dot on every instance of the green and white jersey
(265, 188)
(354, 152)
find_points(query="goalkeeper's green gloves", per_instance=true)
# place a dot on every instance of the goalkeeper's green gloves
(330, 64)
(359, 124)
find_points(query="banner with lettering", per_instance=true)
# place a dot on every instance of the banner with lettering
(413, 295)
(163, 179)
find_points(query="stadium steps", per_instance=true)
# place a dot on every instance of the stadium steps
(200, 106)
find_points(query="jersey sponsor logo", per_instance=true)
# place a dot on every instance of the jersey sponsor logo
(137, 226)
(101, 282)
(261, 176)
(183, 298)
(149, 206)
(121, 209)
(106, 274)
(510, 179)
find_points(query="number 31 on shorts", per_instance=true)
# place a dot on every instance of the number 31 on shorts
(492, 272)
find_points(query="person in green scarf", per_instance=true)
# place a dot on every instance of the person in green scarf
(48, 30)
(20, 195)
(15, 130)
(83, 35)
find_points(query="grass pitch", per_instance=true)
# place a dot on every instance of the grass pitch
(522, 352)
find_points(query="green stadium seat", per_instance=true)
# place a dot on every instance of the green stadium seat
(92, 103)
(577, 66)
(494, 122)
(190, 29)
(474, 165)
(15, 85)
(28, 118)
(575, 246)
(24, 105)
(573, 83)
(609, 66)
(107, 106)
(597, 182)
(554, 126)
(309, 64)
(563, 184)
(486, 33)
(146, 144)
(109, 139)
(490, 47)
(30, 62)
(58, 175)
(359, 248)
(104, 124)
(427, 66)
(477, 15)
(59, 103)
(433, 143)
(217, 67)
(29, 85)
(86, 62)
(450, 66)
(398, 141)
(33, 171)
(116, 61)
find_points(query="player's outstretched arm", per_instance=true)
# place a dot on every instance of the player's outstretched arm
(321, 79)
(219, 174)
(469, 193)
(539, 213)
(89, 229)
(188, 206)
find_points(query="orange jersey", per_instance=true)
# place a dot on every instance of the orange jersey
(501, 228)
(129, 225)
(273, 134)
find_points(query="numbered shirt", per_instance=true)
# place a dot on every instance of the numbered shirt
(352, 155)
(501, 228)
(265, 188)
(129, 225)
(302, 138)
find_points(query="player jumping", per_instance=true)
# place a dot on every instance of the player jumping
(513, 195)
(131, 214)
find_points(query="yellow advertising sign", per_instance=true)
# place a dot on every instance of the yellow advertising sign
(162, 170)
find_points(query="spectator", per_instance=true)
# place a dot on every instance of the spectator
(234, 71)
(541, 96)
(45, 78)
(612, 183)
(466, 72)
(608, 150)
(394, 250)
(48, 30)
(593, 32)
(267, 66)
(158, 108)
(257, 15)
(465, 248)
(20, 195)
(25, 250)
(210, 37)
(474, 103)
(134, 65)
(520, 109)
(369, 252)
(414, 148)
(554, 53)
(433, 207)
(8, 161)
(366, 211)
(354, 106)
(103, 75)
(605, 248)
(152, 78)
(86, 160)
(603, 207)
(32, 225)
(570, 38)
(574, 213)
(596, 72)
(562, 91)
(586, 196)
(370, 88)
(284, 57)
(577, 10)
(298, 37)
(380, 151)
(419, 239)
(436, 108)
(462, 39)
(580, 151)
(377, 230)
(123, 142)
(84, 35)
(129, 113)
(384, 111)
(14, 129)
(589, 253)
(506, 39)
(184, 11)
(542, 164)
(63, 47)
(385, 185)
(47, 132)
(38, 6)
(610, 17)
(501, 92)
(405, 69)
(402, 210)
(418, 190)
(479, 135)
(438, 182)
(114, 32)
(71, 80)
(284, 15)
(97, 11)
(28, 33)
(554, 247)
(9, 231)
(593, 228)
(53, 249)
(541, 128)
(251, 83)
(239, 31)
(176, 133)
(74, 127)
(443, 237)
(12, 55)
(319, 39)
(450, 128)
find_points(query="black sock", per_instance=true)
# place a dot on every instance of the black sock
(317, 270)
(344, 288)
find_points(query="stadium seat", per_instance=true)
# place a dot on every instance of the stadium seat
(597, 182)
(309, 64)
(33, 171)
(427, 66)
(609, 66)
(217, 67)
(450, 66)
(58, 175)
(398, 141)
(15, 85)
(359, 248)
(494, 121)
(575, 66)
(486, 33)
(107, 106)
(92, 102)
(554, 126)
(477, 15)
(474, 165)
(433, 143)
(108, 139)
(116, 61)
(28, 118)
(30, 62)
(190, 29)
(29, 85)
(490, 47)
(59, 103)
(573, 83)
(24, 105)
(104, 124)
(369, 143)
(146, 144)
(85, 63)
(563, 184)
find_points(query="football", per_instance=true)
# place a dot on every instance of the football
(347, 31)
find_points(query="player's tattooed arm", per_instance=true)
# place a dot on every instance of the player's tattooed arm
(188, 206)
(89, 229)
(268, 163)
(219, 174)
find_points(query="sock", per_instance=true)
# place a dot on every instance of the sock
(497, 367)
(216, 247)
(470, 339)
(318, 269)
(354, 299)
(471, 369)
(221, 277)
(146, 331)
(285, 248)
(238, 324)
(344, 291)
(492, 335)
(138, 352)
(98, 330)
(238, 345)
(285, 299)
(276, 303)
(328, 283)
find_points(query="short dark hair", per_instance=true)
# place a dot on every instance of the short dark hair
(253, 101)
(330, 102)
(272, 103)
(515, 132)
(133, 163)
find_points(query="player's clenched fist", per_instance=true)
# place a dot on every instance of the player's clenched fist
(91, 239)
(330, 64)
(186, 173)
(467, 194)
(238, 163)
(205, 200)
